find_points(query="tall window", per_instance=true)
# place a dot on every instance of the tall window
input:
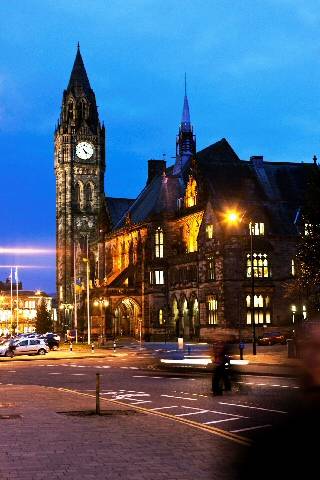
(210, 269)
(88, 196)
(158, 243)
(262, 310)
(191, 193)
(160, 317)
(261, 267)
(156, 277)
(307, 228)
(256, 228)
(212, 306)
(293, 268)
(78, 195)
(209, 231)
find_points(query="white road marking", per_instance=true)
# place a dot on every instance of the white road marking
(155, 377)
(222, 420)
(164, 408)
(183, 398)
(254, 408)
(12, 371)
(139, 376)
(77, 374)
(216, 411)
(191, 413)
(250, 428)
(54, 373)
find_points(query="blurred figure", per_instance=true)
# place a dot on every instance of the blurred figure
(221, 375)
(290, 449)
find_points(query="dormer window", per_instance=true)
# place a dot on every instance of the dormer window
(191, 193)
(256, 228)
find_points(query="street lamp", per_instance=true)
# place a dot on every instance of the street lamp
(232, 217)
(103, 303)
(67, 308)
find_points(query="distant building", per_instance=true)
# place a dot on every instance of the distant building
(177, 260)
(21, 319)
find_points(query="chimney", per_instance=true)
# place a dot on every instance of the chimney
(257, 160)
(155, 169)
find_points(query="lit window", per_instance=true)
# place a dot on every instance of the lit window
(160, 316)
(293, 270)
(209, 231)
(157, 277)
(191, 193)
(256, 228)
(158, 243)
(210, 268)
(304, 312)
(261, 268)
(262, 311)
(307, 228)
(212, 310)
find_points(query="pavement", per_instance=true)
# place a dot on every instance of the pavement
(49, 438)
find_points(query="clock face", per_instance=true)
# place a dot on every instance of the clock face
(84, 150)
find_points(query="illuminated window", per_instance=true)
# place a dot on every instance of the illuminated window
(160, 318)
(293, 270)
(307, 228)
(304, 312)
(158, 243)
(262, 310)
(157, 277)
(261, 268)
(212, 306)
(210, 269)
(209, 231)
(256, 228)
(191, 193)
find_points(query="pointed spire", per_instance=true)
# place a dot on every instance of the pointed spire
(185, 119)
(79, 77)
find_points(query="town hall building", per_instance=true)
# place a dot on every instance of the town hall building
(206, 248)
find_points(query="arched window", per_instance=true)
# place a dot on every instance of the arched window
(158, 243)
(262, 309)
(261, 267)
(88, 196)
(191, 193)
(160, 317)
(70, 114)
(82, 109)
(78, 195)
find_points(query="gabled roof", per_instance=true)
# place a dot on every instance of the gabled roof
(117, 207)
(159, 196)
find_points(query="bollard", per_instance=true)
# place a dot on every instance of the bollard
(92, 347)
(70, 348)
(114, 346)
(97, 393)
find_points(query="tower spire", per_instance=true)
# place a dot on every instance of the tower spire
(186, 140)
(79, 77)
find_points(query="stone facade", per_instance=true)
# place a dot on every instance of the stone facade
(177, 260)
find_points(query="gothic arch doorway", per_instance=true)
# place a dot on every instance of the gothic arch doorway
(127, 319)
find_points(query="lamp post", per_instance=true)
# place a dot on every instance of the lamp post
(103, 303)
(233, 217)
(67, 308)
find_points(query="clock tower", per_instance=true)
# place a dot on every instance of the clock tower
(79, 162)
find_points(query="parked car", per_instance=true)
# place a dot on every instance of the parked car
(30, 346)
(52, 340)
(271, 338)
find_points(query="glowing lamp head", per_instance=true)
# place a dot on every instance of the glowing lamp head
(232, 216)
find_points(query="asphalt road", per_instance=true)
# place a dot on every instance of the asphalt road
(257, 403)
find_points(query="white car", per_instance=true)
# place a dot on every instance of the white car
(30, 346)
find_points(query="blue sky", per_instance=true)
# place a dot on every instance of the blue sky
(253, 77)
